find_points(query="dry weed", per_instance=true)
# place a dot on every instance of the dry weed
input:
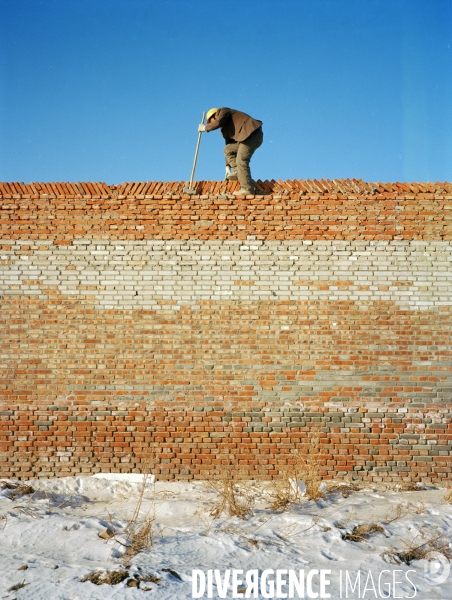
(418, 507)
(139, 537)
(362, 532)
(30, 512)
(254, 542)
(233, 497)
(149, 579)
(293, 529)
(138, 579)
(407, 486)
(112, 578)
(398, 512)
(173, 573)
(304, 468)
(448, 497)
(17, 489)
(138, 532)
(208, 522)
(345, 488)
(116, 577)
(18, 586)
(351, 517)
(417, 549)
(284, 490)
(308, 470)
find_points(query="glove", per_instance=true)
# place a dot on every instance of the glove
(201, 127)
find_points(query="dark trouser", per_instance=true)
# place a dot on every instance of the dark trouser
(238, 156)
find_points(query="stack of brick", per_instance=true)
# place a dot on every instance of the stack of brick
(142, 323)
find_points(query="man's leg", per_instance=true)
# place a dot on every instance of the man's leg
(230, 154)
(245, 151)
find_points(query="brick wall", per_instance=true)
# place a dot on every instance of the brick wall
(188, 328)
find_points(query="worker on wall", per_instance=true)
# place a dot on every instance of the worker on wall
(243, 136)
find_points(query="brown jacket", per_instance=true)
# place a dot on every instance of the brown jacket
(235, 125)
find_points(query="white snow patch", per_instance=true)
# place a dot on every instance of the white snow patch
(131, 477)
(54, 531)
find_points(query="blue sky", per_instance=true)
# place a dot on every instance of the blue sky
(113, 90)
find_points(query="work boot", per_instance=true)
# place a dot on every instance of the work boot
(232, 176)
(243, 192)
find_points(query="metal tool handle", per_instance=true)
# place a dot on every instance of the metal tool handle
(196, 153)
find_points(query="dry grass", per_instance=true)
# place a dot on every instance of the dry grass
(284, 490)
(149, 579)
(99, 578)
(138, 579)
(137, 536)
(251, 538)
(345, 488)
(398, 512)
(253, 542)
(115, 577)
(401, 510)
(362, 532)
(233, 496)
(448, 497)
(304, 467)
(419, 547)
(17, 489)
(139, 529)
(407, 486)
(350, 517)
(308, 469)
(418, 507)
(18, 586)
(30, 512)
(293, 529)
(207, 520)
(173, 573)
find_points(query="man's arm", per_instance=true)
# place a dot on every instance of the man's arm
(222, 116)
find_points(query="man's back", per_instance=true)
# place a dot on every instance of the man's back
(234, 124)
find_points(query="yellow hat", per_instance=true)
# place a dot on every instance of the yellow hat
(211, 112)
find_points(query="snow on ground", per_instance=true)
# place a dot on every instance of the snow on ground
(54, 533)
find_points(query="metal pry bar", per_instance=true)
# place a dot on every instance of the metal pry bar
(190, 190)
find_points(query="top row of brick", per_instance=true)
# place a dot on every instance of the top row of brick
(279, 187)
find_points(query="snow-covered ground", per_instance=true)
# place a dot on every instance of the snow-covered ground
(49, 541)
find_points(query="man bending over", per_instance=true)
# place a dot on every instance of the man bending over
(243, 135)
